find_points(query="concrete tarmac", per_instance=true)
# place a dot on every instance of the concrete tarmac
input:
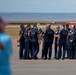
(41, 67)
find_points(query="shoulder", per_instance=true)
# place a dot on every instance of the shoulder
(61, 31)
(6, 38)
(22, 31)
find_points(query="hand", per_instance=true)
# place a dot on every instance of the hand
(58, 42)
(42, 40)
(39, 42)
(71, 40)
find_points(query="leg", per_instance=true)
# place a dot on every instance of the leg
(33, 49)
(28, 49)
(43, 50)
(74, 46)
(46, 50)
(55, 50)
(36, 49)
(50, 50)
(59, 51)
(64, 50)
(21, 51)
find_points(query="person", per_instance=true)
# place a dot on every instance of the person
(27, 35)
(21, 41)
(73, 42)
(35, 45)
(43, 35)
(5, 50)
(49, 41)
(55, 43)
(62, 42)
(68, 43)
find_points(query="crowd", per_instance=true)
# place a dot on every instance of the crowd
(63, 38)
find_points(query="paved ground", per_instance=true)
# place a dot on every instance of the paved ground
(41, 67)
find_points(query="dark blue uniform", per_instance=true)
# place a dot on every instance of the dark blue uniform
(35, 45)
(44, 44)
(49, 41)
(73, 44)
(62, 43)
(55, 44)
(22, 45)
(27, 44)
(68, 45)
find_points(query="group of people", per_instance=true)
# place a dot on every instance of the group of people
(63, 38)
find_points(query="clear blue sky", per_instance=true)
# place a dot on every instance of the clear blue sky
(42, 6)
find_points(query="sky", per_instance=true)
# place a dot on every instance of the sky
(38, 6)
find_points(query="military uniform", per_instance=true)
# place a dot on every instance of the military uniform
(62, 43)
(22, 44)
(73, 44)
(35, 45)
(49, 41)
(27, 44)
(44, 44)
(55, 44)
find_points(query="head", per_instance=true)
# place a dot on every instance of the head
(72, 27)
(35, 27)
(63, 26)
(22, 27)
(67, 26)
(28, 26)
(48, 26)
(58, 28)
(2, 25)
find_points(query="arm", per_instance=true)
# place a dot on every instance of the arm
(55, 35)
(20, 35)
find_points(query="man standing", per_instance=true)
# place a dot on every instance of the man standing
(43, 35)
(27, 35)
(35, 45)
(21, 41)
(56, 39)
(62, 41)
(73, 42)
(49, 41)
(68, 43)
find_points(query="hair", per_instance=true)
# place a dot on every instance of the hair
(67, 24)
(34, 25)
(21, 25)
(63, 26)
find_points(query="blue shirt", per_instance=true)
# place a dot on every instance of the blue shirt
(34, 33)
(73, 35)
(56, 33)
(50, 35)
(44, 37)
(21, 32)
(5, 54)
(27, 37)
(63, 35)
(68, 32)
